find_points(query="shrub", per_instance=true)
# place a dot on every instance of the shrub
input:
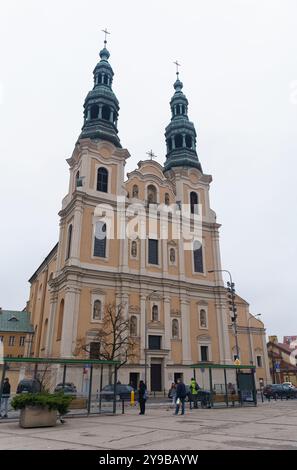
(52, 401)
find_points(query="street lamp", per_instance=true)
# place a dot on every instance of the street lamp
(250, 339)
(232, 306)
(146, 338)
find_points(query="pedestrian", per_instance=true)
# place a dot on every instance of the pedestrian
(172, 393)
(181, 394)
(142, 397)
(5, 398)
(194, 387)
(232, 391)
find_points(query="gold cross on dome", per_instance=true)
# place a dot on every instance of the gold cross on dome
(151, 154)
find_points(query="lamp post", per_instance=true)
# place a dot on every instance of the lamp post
(146, 338)
(232, 306)
(250, 339)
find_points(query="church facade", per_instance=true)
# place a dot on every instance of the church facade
(113, 249)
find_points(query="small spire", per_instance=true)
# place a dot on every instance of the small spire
(105, 37)
(177, 71)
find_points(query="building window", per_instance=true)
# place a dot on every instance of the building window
(69, 240)
(154, 342)
(194, 202)
(1, 339)
(153, 251)
(97, 310)
(178, 140)
(100, 240)
(151, 194)
(20, 355)
(155, 313)
(203, 319)
(22, 340)
(133, 326)
(188, 139)
(102, 180)
(204, 353)
(106, 111)
(167, 199)
(94, 111)
(11, 341)
(94, 350)
(60, 320)
(198, 257)
(259, 361)
(175, 329)
(134, 249)
(135, 191)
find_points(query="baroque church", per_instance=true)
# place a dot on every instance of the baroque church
(174, 299)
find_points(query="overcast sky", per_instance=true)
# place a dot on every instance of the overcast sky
(239, 69)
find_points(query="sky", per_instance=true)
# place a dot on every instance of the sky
(239, 69)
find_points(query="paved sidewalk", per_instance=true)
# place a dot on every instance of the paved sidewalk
(268, 426)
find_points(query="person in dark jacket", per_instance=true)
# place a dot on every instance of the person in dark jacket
(181, 394)
(5, 398)
(142, 396)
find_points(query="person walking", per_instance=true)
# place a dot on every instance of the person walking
(194, 387)
(181, 394)
(5, 398)
(172, 393)
(142, 397)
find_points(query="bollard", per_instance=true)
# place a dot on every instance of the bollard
(132, 399)
(123, 407)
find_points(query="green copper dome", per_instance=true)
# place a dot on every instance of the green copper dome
(180, 134)
(101, 107)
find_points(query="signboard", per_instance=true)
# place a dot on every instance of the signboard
(277, 367)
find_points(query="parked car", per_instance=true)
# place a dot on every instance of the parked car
(279, 391)
(68, 388)
(123, 392)
(29, 386)
(289, 384)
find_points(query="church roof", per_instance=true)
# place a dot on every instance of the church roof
(15, 321)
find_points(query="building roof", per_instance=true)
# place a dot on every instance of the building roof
(44, 263)
(15, 321)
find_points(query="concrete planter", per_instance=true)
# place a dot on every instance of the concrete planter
(37, 417)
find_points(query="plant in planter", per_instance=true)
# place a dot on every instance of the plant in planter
(40, 409)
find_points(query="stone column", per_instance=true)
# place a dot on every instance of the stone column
(76, 233)
(70, 321)
(51, 324)
(186, 337)
(167, 325)
(142, 328)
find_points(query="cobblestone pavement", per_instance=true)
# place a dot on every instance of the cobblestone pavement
(269, 426)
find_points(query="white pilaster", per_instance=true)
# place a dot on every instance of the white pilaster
(186, 338)
(70, 320)
(167, 325)
(142, 326)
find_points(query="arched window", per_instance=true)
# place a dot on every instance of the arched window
(151, 194)
(178, 140)
(203, 319)
(60, 320)
(167, 199)
(44, 333)
(100, 240)
(133, 326)
(99, 78)
(94, 111)
(183, 109)
(105, 80)
(194, 202)
(69, 241)
(134, 249)
(106, 113)
(188, 141)
(172, 255)
(97, 310)
(169, 143)
(175, 329)
(102, 180)
(177, 109)
(135, 191)
(198, 257)
(155, 313)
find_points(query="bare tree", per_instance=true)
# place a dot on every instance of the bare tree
(113, 338)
